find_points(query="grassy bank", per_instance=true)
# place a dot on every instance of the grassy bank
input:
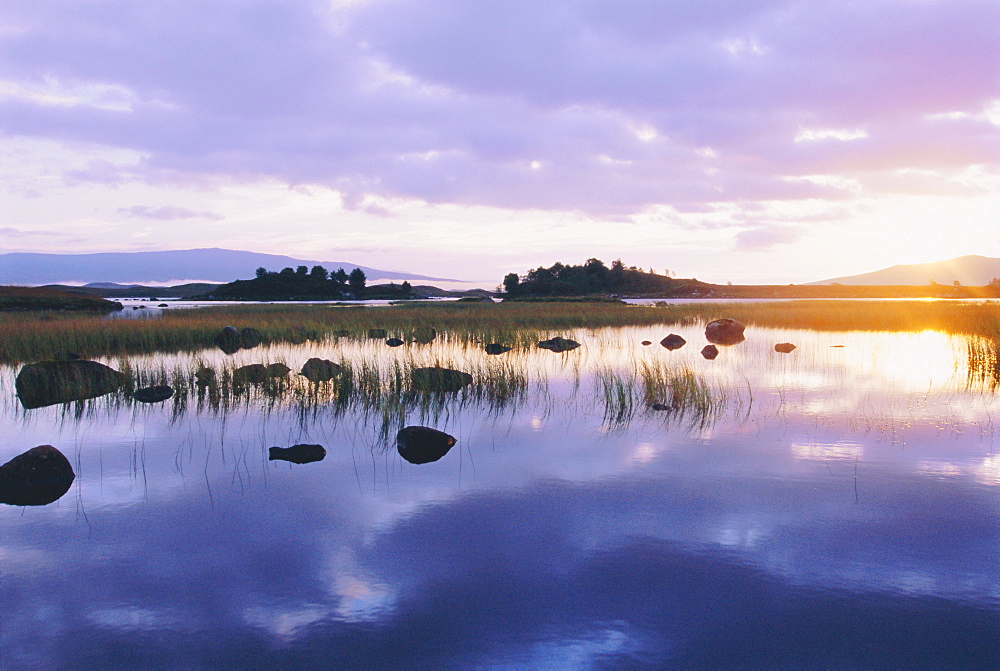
(32, 336)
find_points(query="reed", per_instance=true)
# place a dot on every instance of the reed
(36, 336)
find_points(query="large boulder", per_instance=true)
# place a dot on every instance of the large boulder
(250, 338)
(558, 344)
(155, 394)
(436, 379)
(724, 332)
(35, 478)
(50, 382)
(320, 370)
(673, 341)
(422, 444)
(229, 340)
(297, 454)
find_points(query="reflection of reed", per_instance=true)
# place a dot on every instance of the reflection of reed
(983, 362)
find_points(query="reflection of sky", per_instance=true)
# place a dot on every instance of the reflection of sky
(826, 509)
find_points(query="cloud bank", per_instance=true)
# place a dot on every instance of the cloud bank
(602, 108)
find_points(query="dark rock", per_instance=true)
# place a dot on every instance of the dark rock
(393, 342)
(436, 378)
(229, 340)
(35, 478)
(250, 338)
(784, 347)
(377, 334)
(422, 445)
(496, 348)
(321, 370)
(51, 382)
(646, 342)
(673, 341)
(155, 394)
(424, 335)
(710, 352)
(559, 344)
(204, 376)
(297, 454)
(278, 370)
(258, 373)
(724, 332)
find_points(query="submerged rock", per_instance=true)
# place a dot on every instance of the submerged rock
(496, 348)
(320, 370)
(435, 378)
(35, 478)
(558, 344)
(393, 342)
(50, 382)
(424, 335)
(422, 444)
(297, 454)
(724, 332)
(784, 347)
(710, 352)
(258, 373)
(155, 394)
(229, 340)
(673, 341)
(204, 376)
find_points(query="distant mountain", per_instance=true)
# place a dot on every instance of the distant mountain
(205, 265)
(975, 271)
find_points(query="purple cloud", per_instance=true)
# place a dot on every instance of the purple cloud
(167, 213)
(766, 237)
(598, 106)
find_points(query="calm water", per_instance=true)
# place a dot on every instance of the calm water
(836, 506)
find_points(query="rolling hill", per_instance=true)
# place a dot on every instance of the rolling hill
(204, 265)
(969, 270)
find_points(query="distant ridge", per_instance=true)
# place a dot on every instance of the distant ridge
(968, 270)
(205, 265)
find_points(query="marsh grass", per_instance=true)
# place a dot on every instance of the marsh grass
(37, 336)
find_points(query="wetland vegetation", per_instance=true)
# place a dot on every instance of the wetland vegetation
(344, 471)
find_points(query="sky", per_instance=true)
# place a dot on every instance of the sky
(766, 141)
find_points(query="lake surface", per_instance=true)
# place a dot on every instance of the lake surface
(834, 506)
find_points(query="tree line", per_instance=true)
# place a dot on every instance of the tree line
(593, 277)
(305, 276)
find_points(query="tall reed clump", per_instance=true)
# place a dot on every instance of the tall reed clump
(657, 387)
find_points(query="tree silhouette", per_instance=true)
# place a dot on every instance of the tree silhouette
(356, 280)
